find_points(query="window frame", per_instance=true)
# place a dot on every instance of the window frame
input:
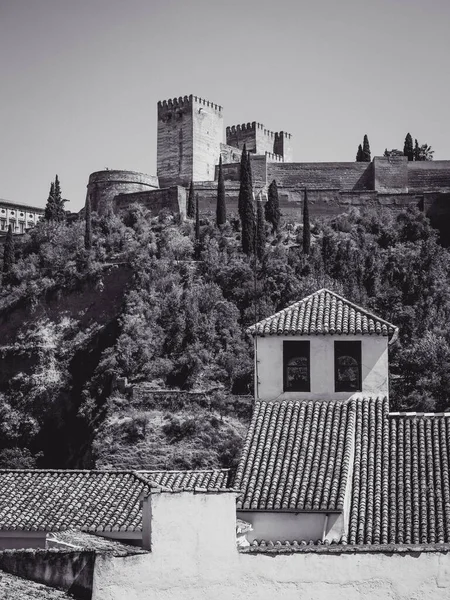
(296, 349)
(352, 349)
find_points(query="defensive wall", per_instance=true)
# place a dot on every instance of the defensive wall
(172, 199)
(103, 186)
(194, 555)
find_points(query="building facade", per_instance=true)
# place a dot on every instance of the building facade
(20, 216)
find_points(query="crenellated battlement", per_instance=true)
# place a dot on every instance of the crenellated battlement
(271, 157)
(185, 102)
(243, 128)
(282, 134)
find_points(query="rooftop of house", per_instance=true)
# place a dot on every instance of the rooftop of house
(90, 501)
(321, 313)
(296, 456)
(297, 453)
(17, 588)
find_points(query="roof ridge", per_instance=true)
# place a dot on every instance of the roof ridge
(212, 470)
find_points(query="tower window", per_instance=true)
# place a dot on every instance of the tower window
(296, 366)
(347, 366)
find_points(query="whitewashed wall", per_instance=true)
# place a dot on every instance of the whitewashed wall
(374, 353)
(194, 557)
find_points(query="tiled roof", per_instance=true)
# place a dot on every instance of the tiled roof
(17, 588)
(58, 500)
(296, 456)
(323, 312)
(210, 479)
(401, 478)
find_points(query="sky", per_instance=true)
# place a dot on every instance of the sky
(80, 79)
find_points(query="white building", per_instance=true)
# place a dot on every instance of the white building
(20, 216)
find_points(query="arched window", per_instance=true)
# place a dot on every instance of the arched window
(347, 366)
(296, 366)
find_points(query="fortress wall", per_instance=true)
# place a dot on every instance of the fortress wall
(103, 186)
(326, 203)
(283, 146)
(259, 170)
(347, 176)
(231, 172)
(429, 175)
(390, 173)
(172, 199)
(229, 155)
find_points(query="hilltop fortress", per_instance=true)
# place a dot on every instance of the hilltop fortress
(192, 137)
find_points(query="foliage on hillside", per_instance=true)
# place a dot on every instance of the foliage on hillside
(182, 323)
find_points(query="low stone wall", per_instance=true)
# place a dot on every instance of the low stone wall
(72, 572)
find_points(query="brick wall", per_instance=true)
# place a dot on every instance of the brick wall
(208, 136)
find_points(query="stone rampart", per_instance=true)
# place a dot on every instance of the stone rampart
(172, 199)
(344, 176)
(103, 186)
(431, 175)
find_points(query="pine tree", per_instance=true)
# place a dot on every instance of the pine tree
(247, 209)
(221, 211)
(272, 207)
(8, 252)
(366, 150)
(191, 202)
(306, 226)
(260, 230)
(359, 154)
(408, 149)
(88, 222)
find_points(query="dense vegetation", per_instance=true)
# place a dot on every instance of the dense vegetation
(182, 325)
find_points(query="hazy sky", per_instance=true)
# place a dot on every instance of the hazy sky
(80, 79)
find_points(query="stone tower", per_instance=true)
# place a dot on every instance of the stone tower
(190, 131)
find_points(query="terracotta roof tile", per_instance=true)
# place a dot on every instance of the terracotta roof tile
(296, 456)
(210, 479)
(57, 500)
(401, 491)
(321, 313)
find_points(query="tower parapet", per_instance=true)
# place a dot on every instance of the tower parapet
(259, 140)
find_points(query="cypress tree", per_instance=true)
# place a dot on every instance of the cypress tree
(416, 150)
(272, 207)
(60, 213)
(8, 252)
(191, 202)
(50, 207)
(197, 229)
(306, 226)
(408, 149)
(88, 222)
(221, 211)
(359, 154)
(366, 150)
(260, 230)
(248, 212)
(243, 180)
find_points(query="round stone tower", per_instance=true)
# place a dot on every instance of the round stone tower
(104, 186)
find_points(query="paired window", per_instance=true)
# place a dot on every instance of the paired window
(347, 366)
(296, 366)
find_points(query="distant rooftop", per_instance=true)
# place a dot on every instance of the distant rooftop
(17, 205)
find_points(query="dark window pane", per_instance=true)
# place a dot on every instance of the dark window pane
(296, 366)
(347, 366)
